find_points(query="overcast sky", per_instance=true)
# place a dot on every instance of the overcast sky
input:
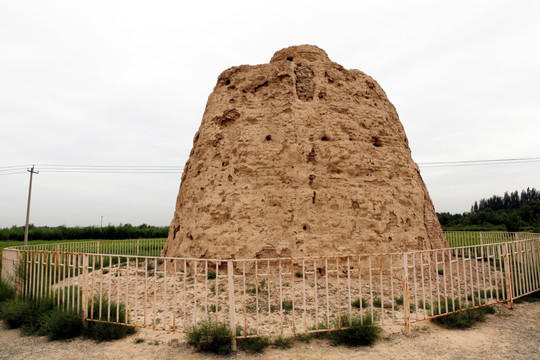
(125, 83)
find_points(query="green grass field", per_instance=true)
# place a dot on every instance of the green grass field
(144, 249)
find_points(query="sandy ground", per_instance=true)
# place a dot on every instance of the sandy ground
(509, 334)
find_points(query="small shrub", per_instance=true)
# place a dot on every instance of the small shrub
(356, 303)
(15, 312)
(298, 274)
(6, 292)
(460, 320)
(59, 325)
(361, 333)
(287, 305)
(207, 336)
(323, 325)
(138, 341)
(211, 275)
(533, 297)
(254, 345)
(101, 331)
(440, 271)
(306, 338)
(283, 342)
(399, 300)
(413, 308)
(376, 301)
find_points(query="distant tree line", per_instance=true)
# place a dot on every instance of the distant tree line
(127, 231)
(511, 212)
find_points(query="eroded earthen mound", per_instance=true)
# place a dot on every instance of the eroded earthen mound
(300, 157)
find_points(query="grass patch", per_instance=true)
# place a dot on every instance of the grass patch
(60, 325)
(15, 312)
(207, 336)
(460, 320)
(306, 338)
(287, 305)
(534, 297)
(6, 292)
(253, 345)
(283, 342)
(362, 331)
(100, 331)
(356, 303)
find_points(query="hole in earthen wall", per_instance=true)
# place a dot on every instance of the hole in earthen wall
(314, 197)
(312, 155)
(311, 178)
(268, 138)
(260, 86)
(376, 141)
(289, 58)
(227, 82)
(304, 227)
(325, 138)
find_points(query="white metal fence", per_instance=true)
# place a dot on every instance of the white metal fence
(278, 296)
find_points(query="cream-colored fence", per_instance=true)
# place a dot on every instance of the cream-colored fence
(281, 296)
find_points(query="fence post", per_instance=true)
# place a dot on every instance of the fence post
(85, 287)
(481, 246)
(508, 277)
(232, 319)
(406, 305)
(138, 247)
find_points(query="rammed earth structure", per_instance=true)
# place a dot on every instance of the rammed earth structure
(300, 157)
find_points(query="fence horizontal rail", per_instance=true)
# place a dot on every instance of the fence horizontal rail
(128, 282)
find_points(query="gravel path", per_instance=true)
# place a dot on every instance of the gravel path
(509, 334)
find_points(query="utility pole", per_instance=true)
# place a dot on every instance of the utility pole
(32, 172)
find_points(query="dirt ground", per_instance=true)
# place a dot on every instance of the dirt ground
(509, 334)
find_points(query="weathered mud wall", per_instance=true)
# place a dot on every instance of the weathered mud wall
(300, 157)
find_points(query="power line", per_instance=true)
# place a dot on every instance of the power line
(171, 169)
(479, 162)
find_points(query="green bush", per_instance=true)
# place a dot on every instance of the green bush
(303, 338)
(59, 325)
(460, 320)
(356, 303)
(207, 336)
(361, 333)
(101, 331)
(533, 297)
(15, 312)
(254, 345)
(287, 305)
(211, 275)
(24, 314)
(283, 342)
(6, 292)
(31, 325)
